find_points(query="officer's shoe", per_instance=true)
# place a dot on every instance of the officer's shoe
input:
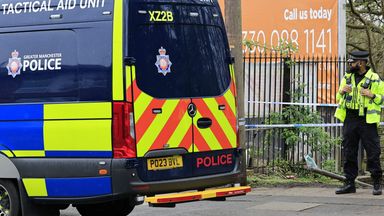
(349, 187)
(377, 188)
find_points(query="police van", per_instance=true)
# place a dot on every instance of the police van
(103, 102)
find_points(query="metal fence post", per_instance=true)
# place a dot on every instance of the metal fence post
(286, 95)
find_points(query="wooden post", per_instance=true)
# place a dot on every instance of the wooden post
(234, 30)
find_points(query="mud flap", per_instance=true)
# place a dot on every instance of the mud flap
(29, 208)
(170, 200)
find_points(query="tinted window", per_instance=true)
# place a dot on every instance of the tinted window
(198, 56)
(196, 51)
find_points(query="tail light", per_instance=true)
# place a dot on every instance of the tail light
(123, 139)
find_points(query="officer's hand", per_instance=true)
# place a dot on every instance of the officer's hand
(346, 89)
(367, 93)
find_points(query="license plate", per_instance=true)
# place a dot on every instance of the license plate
(165, 163)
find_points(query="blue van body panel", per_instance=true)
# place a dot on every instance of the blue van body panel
(78, 187)
(25, 112)
(13, 134)
(18, 122)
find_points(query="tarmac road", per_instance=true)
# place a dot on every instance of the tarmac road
(274, 202)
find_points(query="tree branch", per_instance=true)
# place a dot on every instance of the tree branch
(377, 13)
(382, 7)
(364, 21)
(356, 46)
(359, 27)
(369, 36)
(369, 26)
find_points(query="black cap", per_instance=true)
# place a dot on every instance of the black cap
(358, 55)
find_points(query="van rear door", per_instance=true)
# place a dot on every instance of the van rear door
(160, 108)
(213, 90)
(181, 82)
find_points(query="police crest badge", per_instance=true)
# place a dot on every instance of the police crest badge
(14, 64)
(163, 63)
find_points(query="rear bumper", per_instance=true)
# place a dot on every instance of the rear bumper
(125, 180)
(125, 183)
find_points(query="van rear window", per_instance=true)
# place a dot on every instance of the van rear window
(197, 59)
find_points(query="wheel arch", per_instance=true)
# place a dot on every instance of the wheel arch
(8, 169)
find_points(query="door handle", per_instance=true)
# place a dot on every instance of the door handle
(204, 123)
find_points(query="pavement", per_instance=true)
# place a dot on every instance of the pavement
(275, 202)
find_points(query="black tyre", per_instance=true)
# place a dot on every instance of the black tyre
(115, 208)
(9, 199)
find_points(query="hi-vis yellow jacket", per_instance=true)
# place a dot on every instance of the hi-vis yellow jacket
(358, 102)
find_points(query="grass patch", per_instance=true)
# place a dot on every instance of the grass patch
(276, 180)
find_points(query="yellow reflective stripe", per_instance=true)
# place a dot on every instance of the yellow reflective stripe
(232, 71)
(230, 98)
(141, 104)
(133, 73)
(29, 153)
(190, 148)
(196, 148)
(35, 187)
(222, 120)
(78, 135)
(180, 131)
(155, 128)
(24, 153)
(117, 67)
(128, 84)
(208, 135)
(7, 153)
(77, 111)
(128, 81)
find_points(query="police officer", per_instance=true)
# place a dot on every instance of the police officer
(360, 96)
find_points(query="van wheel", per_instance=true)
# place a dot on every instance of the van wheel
(9, 199)
(116, 208)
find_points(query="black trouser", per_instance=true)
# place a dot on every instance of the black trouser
(355, 129)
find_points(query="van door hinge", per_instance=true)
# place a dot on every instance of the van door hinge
(129, 61)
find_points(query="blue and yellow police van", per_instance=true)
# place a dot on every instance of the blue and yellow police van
(103, 102)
